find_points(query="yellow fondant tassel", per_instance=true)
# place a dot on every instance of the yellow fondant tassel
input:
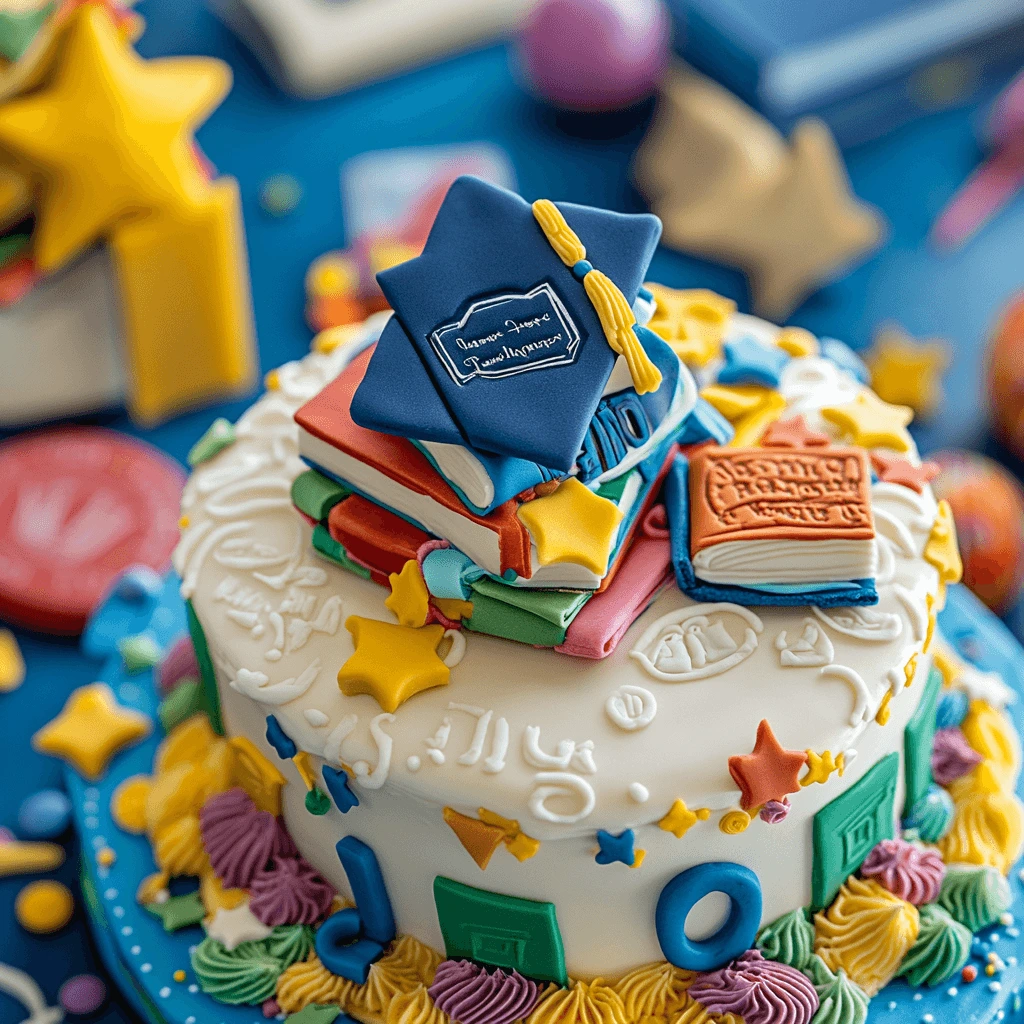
(609, 303)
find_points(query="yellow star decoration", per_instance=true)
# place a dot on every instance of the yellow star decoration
(907, 372)
(391, 662)
(127, 173)
(304, 766)
(12, 664)
(680, 819)
(454, 609)
(730, 188)
(750, 410)
(409, 599)
(871, 423)
(573, 524)
(883, 712)
(942, 550)
(132, 154)
(90, 730)
(256, 775)
(797, 342)
(821, 766)
(692, 321)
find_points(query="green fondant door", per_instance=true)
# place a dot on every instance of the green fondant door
(846, 830)
(918, 740)
(500, 931)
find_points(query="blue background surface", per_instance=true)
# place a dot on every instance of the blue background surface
(472, 97)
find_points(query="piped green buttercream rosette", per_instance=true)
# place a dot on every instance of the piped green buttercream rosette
(840, 1000)
(974, 896)
(942, 947)
(788, 939)
(247, 975)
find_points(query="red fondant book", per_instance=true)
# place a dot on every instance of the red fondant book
(393, 472)
(375, 536)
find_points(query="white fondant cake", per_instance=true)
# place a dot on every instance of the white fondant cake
(565, 746)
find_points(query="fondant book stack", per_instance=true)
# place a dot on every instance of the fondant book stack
(510, 429)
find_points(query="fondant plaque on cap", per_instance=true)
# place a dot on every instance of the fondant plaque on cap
(535, 356)
(508, 334)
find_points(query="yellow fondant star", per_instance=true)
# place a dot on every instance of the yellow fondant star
(692, 321)
(573, 525)
(797, 342)
(304, 766)
(907, 372)
(256, 775)
(821, 766)
(108, 134)
(12, 664)
(942, 550)
(454, 609)
(391, 662)
(871, 423)
(884, 711)
(409, 599)
(90, 730)
(750, 410)
(680, 819)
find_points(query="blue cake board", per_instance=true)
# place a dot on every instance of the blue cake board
(143, 957)
(132, 943)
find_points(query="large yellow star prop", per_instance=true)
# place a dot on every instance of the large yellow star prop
(90, 730)
(692, 321)
(908, 372)
(573, 524)
(391, 662)
(871, 423)
(109, 135)
(942, 550)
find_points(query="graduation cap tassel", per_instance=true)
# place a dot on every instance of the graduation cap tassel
(609, 303)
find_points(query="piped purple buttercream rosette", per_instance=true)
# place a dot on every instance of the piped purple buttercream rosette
(471, 994)
(758, 990)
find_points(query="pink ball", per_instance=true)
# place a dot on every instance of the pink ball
(595, 54)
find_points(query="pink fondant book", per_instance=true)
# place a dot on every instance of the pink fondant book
(647, 567)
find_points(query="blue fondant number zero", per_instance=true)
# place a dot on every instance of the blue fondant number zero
(682, 894)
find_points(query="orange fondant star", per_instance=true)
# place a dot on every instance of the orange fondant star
(891, 469)
(769, 773)
(391, 662)
(793, 433)
(91, 729)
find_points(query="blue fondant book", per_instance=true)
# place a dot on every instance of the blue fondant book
(624, 430)
(495, 344)
(861, 66)
(677, 506)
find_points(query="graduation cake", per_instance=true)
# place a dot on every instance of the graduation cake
(569, 654)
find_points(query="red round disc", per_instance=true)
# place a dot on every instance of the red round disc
(78, 506)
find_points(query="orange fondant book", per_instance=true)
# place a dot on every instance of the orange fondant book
(393, 472)
(786, 516)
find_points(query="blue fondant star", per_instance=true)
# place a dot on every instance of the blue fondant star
(615, 848)
(492, 322)
(280, 740)
(838, 352)
(336, 781)
(749, 362)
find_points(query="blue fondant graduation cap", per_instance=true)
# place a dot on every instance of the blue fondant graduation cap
(495, 343)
